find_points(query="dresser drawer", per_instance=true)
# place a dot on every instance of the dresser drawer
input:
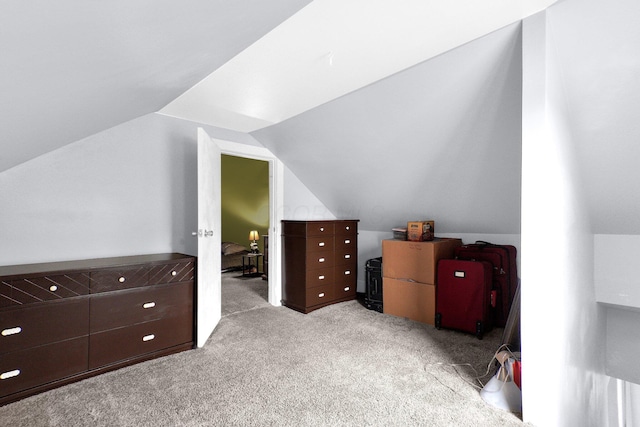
(320, 228)
(345, 272)
(319, 244)
(118, 309)
(319, 295)
(120, 344)
(26, 327)
(345, 257)
(319, 277)
(344, 289)
(346, 244)
(346, 228)
(29, 368)
(113, 279)
(172, 273)
(324, 259)
(43, 288)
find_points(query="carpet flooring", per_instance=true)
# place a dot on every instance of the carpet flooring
(342, 365)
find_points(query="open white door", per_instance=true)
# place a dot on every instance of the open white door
(209, 235)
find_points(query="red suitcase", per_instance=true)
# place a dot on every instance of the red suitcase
(464, 296)
(505, 272)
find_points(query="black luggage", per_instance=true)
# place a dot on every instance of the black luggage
(373, 284)
(465, 299)
(505, 274)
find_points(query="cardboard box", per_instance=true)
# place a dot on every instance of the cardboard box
(399, 233)
(415, 261)
(420, 231)
(413, 300)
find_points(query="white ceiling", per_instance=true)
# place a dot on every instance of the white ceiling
(333, 47)
(73, 68)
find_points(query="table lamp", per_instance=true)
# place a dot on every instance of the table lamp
(253, 236)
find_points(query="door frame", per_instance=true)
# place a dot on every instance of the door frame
(276, 208)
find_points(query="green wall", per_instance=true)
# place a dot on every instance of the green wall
(245, 199)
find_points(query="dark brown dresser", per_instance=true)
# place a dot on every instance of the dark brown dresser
(64, 321)
(320, 263)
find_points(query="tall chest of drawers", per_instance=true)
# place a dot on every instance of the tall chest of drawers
(320, 263)
(65, 321)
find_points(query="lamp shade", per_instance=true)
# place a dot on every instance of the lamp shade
(253, 235)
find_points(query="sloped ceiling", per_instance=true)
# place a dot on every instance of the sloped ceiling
(333, 47)
(72, 68)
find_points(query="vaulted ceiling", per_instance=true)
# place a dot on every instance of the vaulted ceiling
(72, 68)
(379, 82)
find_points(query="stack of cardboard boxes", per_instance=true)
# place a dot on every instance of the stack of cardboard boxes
(409, 276)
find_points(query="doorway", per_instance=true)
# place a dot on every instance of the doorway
(209, 226)
(244, 227)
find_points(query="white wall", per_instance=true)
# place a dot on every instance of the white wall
(618, 290)
(562, 326)
(131, 189)
(300, 203)
(128, 190)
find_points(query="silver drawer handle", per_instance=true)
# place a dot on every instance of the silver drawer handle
(347, 289)
(320, 277)
(149, 304)
(174, 273)
(321, 244)
(53, 288)
(11, 331)
(347, 256)
(121, 279)
(347, 241)
(148, 337)
(321, 228)
(347, 272)
(321, 294)
(321, 260)
(9, 374)
(347, 228)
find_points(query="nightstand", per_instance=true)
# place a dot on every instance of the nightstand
(249, 262)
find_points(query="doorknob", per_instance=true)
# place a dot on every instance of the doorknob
(203, 233)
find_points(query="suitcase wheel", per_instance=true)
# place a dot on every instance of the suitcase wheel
(438, 320)
(479, 329)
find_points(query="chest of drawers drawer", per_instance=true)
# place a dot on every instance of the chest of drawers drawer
(319, 244)
(346, 228)
(324, 259)
(118, 309)
(115, 279)
(320, 228)
(172, 272)
(36, 289)
(22, 370)
(31, 326)
(319, 295)
(344, 290)
(319, 277)
(30, 290)
(124, 343)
